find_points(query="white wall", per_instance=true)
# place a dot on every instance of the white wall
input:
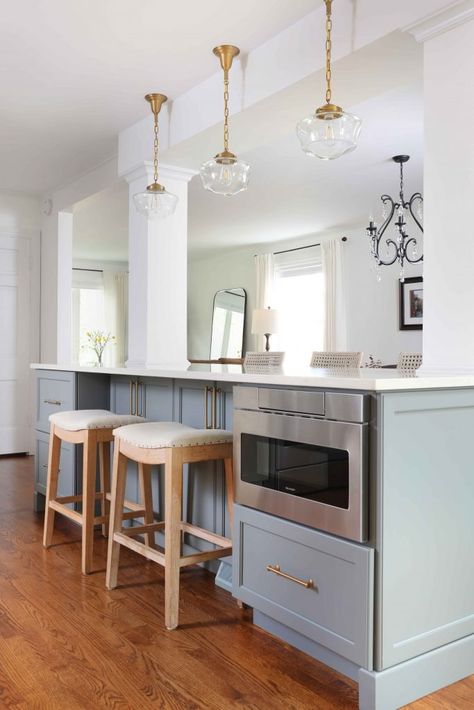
(20, 216)
(372, 307)
(449, 203)
(55, 270)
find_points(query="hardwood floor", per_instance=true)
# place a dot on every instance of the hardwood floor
(65, 642)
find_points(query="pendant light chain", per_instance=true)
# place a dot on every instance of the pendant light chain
(155, 148)
(328, 51)
(226, 111)
(401, 184)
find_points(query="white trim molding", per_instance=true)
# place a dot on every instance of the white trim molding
(441, 21)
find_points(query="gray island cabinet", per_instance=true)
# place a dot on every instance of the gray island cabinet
(395, 613)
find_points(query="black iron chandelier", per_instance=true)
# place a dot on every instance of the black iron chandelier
(402, 247)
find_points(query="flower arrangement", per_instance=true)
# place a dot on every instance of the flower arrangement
(98, 341)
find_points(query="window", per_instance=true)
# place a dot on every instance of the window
(88, 312)
(299, 296)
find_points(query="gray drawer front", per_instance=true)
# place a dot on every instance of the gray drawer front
(55, 392)
(337, 612)
(66, 466)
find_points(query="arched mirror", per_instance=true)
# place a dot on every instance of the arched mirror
(228, 322)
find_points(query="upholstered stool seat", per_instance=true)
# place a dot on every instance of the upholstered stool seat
(162, 435)
(93, 429)
(172, 445)
(92, 419)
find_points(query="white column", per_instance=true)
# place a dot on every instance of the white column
(158, 264)
(64, 272)
(448, 338)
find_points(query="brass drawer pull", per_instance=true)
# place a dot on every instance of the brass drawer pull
(52, 401)
(207, 390)
(307, 583)
(45, 465)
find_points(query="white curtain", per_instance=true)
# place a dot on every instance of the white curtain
(116, 315)
(264, 271)
(335, 335)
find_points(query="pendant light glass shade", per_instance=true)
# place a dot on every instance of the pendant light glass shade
(328, 136)
(329, 132)
(225, 174)
(155, 202)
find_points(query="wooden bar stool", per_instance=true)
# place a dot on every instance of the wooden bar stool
(93, 429)
(173, 445)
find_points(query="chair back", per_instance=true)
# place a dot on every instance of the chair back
(336, 359)
(263, 362)
(409, 361)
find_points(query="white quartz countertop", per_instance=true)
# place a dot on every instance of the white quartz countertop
(366, 379)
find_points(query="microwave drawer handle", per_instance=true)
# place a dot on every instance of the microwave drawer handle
(56, 402)
(307, 583)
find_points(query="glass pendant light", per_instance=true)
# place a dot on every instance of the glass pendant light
(329, 132)
(155, 202)
(225, 174)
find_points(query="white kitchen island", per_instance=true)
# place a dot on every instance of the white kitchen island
(395, 612)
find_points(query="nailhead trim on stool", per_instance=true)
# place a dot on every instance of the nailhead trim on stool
(173, 445)
(92, 419)
(163, 435)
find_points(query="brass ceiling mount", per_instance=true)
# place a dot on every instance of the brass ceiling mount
(226, 54)
(156, 101)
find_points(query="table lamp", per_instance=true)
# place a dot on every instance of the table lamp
(265, 322)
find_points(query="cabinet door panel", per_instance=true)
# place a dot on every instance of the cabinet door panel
(66, 466)
(120, 394)
(157, 396)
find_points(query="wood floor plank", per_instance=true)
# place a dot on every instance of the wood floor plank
(68, 643)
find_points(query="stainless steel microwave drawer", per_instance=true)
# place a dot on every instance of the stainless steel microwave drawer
(316, 584)
(56, 392)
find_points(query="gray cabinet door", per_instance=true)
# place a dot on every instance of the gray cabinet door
(66, 486)
(318, 585)
(200, 479)
(425, 523)
(122, 401)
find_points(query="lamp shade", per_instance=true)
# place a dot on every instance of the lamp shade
(265, 320)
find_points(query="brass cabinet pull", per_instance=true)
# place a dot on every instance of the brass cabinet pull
(207, 389)
(140, 399)
(45, 465)
(56, 402)
(215, 391)
(132, 387)
(307, 583)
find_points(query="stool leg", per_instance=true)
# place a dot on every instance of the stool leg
(104, 469)
(54, 455)
(229, 487)
(115, 524)
(173, 502)
(146, 499)
(88, 498)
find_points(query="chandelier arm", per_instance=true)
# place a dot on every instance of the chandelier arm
(413, 241)
(388, 262)
(388, 219)
(415, 196)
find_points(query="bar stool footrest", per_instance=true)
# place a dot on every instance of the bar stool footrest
(149, 552)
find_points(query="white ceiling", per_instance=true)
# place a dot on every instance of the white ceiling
(73, 74)
(291, 194)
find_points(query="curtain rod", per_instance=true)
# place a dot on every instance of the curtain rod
(309, 246)
(97, 271)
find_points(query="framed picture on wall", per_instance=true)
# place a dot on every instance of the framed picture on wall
(411, 303)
